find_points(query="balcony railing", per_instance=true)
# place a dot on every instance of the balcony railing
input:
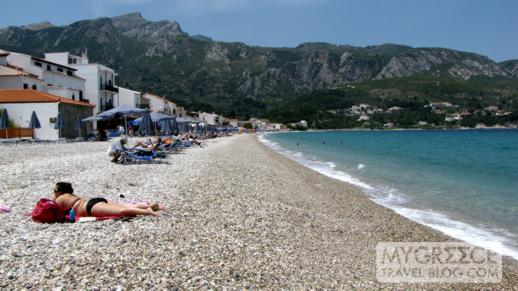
(105, 107)
(109, 87)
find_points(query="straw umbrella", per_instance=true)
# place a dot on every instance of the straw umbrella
(4, 122)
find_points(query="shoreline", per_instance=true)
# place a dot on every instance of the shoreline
(465, 231)
(239, 215)
(509, 262)
(398, 129)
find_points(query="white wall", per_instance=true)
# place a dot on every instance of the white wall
(71, 85)
(171, 108)
(209, 118)
(60, 58)
(20, 114)
(128, 97)
(91, 75)
(156, 103)
(16, 82)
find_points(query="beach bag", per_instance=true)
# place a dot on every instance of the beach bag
(47, 211)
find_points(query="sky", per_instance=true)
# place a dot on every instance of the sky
(487, 27)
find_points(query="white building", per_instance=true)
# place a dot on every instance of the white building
(210, 118)
(161, 104)
(233, 122)
(132, 98)
(363, 117)
(16, 78)
(100, 80)
(55, 78)
(20, 103)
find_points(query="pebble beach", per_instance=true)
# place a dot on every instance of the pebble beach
(239, 215)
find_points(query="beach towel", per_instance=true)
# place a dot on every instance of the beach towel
(93, 218)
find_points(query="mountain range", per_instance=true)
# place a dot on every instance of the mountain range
(158, 56)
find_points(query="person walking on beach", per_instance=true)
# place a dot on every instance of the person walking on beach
(98, 207)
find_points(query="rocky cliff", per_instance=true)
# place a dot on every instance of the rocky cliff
(159, 56)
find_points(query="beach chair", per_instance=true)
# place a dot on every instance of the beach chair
(132, 157)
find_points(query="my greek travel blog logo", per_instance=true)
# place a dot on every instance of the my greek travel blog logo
(436, 262)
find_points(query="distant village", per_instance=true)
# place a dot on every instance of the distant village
(451, 113)
(75, 88)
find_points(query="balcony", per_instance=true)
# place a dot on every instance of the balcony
(106, 106)
(109, 87)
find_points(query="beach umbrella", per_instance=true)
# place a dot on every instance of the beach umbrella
(165, 126)
(34, 122)
(59, 123)
(156, 117)
(4, 121)
(92, 118)
(123, 110)
(146, 125)
(174, 125)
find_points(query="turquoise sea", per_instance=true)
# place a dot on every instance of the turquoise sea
(461, 182)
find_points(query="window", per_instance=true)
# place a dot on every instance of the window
(60, 69)
(25, 86)
(80, 95)
(49, 68)
(34, 87)
(72, 61)
(70, 73)
(38, 64)
(73, 96)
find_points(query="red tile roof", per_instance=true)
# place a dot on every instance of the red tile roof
(33, 96)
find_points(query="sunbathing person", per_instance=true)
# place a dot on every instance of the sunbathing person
(150, 145)
(99, 207)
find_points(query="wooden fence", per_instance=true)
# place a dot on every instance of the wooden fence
(17, 132)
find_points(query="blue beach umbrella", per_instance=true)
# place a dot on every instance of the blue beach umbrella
(174, 126)
(34, 122)
(59, 123)
(165, 126)
(4, 121)
(146, 125)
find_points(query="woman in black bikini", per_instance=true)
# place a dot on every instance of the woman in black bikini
(98, 207)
